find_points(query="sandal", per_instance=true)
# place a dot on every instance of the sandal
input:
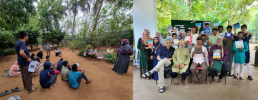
(161, 89)
(145, 75)
(240, 78)
(5, 93)
(32, 91)
(14, 98)
(15, 89)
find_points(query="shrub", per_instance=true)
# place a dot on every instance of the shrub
(76, 44)
(81, 52)
(6, 52)
(112, 58)
(89, 46)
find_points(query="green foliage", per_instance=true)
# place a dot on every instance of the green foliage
(6, 52)
(128, 36)
(76, 44)
(81, 52)
(112, 59)
(6, 38)
(226, 12)
(89, 46)
(14, 13)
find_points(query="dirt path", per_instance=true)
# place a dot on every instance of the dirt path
(106, 85)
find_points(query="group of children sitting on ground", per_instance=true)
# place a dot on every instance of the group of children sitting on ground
(48, 76)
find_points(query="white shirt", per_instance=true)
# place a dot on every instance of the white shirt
(57, 50)
(221, 35)
(174, 46)
(199, 58)
(162, 41)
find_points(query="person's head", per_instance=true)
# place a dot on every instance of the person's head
(199, 41)
(110, 47)
(169, 34)
(240, 35)
(47, 65)
(146, 32)
(229, 28)
(61, 59)
(174, 36)
(65, 63)
(156, 40)
(32, 55)
(92, 47)
(47, 58)
(219, 41)
(47, 42)
(88, 48)
(220, 29)
(207, 25)
(193, 29)
(74, 67)
(168, 43)
(203, 37)
(188, 32)
(23, 35)
(158, 34)
(183, 36)
(56, 48)
(214, 31)
(244, 28)
(181, 44)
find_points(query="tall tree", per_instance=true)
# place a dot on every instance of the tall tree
(75, 6)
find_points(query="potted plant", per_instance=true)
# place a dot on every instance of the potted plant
(256, 56)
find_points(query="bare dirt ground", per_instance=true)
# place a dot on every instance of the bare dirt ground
(106, 84)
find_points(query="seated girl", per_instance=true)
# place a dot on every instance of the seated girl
(58, 52)
(15, 70)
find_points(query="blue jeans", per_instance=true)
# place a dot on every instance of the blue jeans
(80, 78)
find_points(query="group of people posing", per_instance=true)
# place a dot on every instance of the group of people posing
(216, 50)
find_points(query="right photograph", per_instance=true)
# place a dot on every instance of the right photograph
(195, 49)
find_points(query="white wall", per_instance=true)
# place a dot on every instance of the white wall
(144, 17)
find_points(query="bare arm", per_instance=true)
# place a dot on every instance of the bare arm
(158, 57)
(22, 53)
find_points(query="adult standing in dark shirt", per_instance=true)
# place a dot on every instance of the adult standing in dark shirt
(24, 61)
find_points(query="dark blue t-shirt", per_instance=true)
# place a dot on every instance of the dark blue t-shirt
(59, 65)
(20, 45)
(166, 53)
(44, 78)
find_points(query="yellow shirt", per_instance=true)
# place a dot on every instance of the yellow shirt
(110, 51)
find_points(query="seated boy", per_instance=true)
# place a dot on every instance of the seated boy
(86, 52)
(108, 52)
(48, 77)
(75, 77)
(40, 54)
(93, 53)
(58, 52)
(48, 60)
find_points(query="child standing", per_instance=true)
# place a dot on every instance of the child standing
(239, 59)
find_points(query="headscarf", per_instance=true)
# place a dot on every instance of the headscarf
(157, 46)
(125, 48)
(145, 39)
(15, 66)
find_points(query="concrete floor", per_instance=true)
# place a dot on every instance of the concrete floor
(234, 90)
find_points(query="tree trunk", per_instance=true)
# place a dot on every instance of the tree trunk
(97, 16)
(73, 25)
(189, 4)
(229, 13)
(216, 5)
(206, 5)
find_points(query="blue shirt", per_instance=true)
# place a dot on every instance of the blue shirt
(59, 65)
(72, 79)
(44, 78)
(47, 46)
(166, 53)
(20, 45)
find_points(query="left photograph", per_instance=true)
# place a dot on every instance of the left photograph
(66, 49)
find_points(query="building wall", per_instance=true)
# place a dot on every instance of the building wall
(144, 17)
